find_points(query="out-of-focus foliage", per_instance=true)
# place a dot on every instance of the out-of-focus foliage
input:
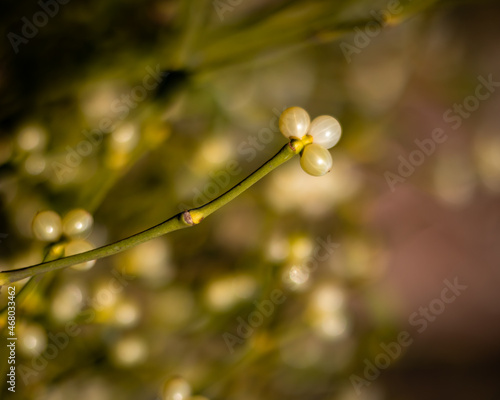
(136, 110)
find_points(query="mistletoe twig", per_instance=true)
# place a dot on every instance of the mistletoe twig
(182, 220)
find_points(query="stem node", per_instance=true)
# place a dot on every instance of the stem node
(187, 218)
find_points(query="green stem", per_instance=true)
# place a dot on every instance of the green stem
(53, 252)
(182, 220)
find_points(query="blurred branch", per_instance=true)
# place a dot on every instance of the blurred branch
(295, 26)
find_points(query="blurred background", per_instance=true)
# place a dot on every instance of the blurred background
(376, 281)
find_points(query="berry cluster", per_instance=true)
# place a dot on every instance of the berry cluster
(76, 225)
(324, 133)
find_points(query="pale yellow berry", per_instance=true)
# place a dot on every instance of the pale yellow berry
(78, 246)
(316, 160)
(325, 131)
(77, 223)
(32, 339)
(32, 137)
(47, 226)
(130, 351)
(294, 122)
(176, 389)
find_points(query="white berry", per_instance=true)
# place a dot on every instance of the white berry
(47, 226)
(176, 389)
(294, 122)
(77, 223)
(78, 246)
(325, 131)
(316, 160)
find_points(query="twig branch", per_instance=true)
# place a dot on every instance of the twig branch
(182, 220)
